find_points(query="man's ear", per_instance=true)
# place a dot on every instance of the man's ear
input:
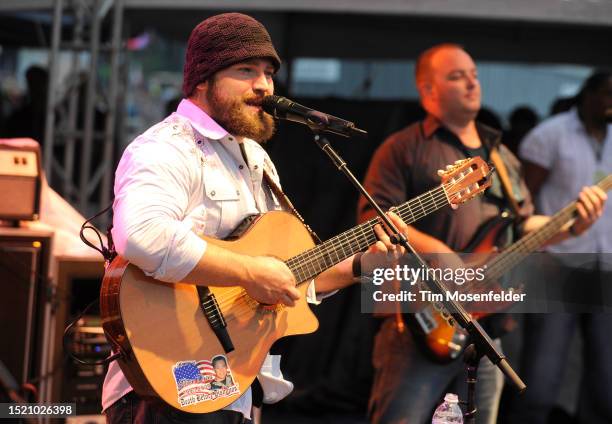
(203, 86)
(425, 89)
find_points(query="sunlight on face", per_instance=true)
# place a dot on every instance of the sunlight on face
(234, 97)
(455, 88)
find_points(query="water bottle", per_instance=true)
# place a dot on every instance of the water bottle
(448, 412)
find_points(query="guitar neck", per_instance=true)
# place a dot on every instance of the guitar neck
(535, 239)
(314, 261)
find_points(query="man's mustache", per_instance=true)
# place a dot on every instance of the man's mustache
(253, 100)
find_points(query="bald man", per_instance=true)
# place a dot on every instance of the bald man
(407, 384)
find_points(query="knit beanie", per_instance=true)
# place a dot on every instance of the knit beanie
(221, 41)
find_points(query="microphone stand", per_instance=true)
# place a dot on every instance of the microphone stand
(471, 358)
(481, 342)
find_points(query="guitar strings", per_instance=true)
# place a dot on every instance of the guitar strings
(369, 228)
(512, 255)
(440, 193)
(235, 294)
(515, 253)
(317, 253)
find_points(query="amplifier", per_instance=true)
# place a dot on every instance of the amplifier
(20, 179)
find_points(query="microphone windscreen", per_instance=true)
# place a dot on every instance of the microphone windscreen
(270, 103)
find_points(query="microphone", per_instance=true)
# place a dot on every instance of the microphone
(283, 108)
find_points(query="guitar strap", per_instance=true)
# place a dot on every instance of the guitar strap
(286, 203)
(502, 171)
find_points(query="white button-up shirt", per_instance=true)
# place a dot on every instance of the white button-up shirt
(574, 160)
(183, 178)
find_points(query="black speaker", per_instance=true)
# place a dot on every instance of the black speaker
(24, 261)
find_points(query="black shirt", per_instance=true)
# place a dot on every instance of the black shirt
(406, 165)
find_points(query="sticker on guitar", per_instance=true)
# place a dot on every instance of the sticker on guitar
(201, 381)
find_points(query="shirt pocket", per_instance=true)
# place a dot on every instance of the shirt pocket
(221, 201)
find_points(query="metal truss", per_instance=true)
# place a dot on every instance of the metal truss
(82, 113)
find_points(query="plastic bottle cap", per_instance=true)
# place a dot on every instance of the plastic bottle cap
(451, 398)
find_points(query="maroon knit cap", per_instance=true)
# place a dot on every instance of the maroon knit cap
(221, 41)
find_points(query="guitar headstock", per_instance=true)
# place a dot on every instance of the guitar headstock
(465, 179)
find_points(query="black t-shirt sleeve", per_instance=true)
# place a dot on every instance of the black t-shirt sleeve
(388, 176)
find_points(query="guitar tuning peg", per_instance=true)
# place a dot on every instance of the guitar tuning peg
(457, 162)
(449, 167)
(440, 172)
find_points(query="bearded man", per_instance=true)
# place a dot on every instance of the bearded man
(201, 171)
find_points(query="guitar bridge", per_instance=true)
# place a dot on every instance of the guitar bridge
(214, 316)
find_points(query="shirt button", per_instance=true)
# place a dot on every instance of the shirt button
(199, 141)
(230, 138)
(212, 193)
(255, 167)
(240, 166)
(238, 192)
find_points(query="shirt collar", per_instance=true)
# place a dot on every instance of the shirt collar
(201, 121)
(207, 127)
(575, 123)
(432, 125)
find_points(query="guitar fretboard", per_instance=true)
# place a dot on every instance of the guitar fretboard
(314, 261)
(534, 240)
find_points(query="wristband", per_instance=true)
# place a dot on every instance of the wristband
(357, 265)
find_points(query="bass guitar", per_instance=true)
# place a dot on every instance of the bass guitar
(432, 331)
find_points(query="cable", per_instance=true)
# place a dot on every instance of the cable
(108, 252)
(67, 348)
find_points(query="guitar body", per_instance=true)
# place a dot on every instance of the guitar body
(199, 348)
(161, 330)
(440, 341)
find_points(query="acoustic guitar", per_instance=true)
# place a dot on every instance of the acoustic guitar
(199, 348)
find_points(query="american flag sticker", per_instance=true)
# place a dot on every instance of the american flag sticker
(204, 380)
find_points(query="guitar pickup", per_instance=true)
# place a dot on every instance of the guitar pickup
(214, 316)
(426, 321)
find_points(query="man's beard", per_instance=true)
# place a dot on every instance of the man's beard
(235, 117)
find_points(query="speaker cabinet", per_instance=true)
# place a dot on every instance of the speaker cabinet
(24, 261)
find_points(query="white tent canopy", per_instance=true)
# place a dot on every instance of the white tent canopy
(583, 12)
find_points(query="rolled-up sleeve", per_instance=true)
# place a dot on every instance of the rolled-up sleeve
(540, 146)
(316, 298)
(152, 191)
